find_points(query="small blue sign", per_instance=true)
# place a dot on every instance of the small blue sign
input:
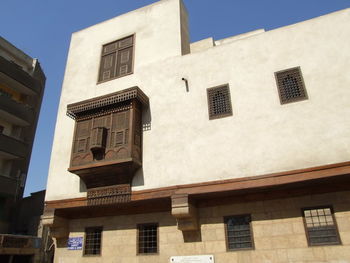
(75, 243)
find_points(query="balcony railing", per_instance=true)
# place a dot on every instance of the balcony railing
(13, 147)
(21, 111)
(15, 72)
(17, 241)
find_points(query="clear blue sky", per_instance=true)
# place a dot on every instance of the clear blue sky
(42, 29)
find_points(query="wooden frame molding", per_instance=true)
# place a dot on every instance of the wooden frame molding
(300, 181)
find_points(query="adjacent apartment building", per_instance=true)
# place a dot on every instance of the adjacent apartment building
(230, 150)
(22, 85)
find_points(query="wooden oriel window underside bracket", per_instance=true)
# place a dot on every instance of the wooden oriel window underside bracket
(185, 212)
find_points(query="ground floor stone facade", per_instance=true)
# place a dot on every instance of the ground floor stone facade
(277, 228)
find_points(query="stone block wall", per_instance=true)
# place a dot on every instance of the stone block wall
(278, 231)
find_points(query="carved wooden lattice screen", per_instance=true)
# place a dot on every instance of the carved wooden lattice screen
(108, 195)
(290, 85)
(219, 102)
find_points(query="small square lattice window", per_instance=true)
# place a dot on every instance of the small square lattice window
(93, 241)
(238, 232)
(219, 102)
(320, 226)
(147, 238)
(290, 85)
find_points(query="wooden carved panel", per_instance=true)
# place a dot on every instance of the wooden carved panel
(109, 195)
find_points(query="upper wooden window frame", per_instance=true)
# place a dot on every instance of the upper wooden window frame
(132, 59)
(334, 221)
(300, 81)
(226, 218)
(212, 115)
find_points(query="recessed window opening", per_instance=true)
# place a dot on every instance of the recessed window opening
(147, 238)
(219, 102)
(238, 232)
(321, 226)
(93, 237)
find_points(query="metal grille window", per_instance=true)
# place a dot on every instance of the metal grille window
(147, 238)
(116, 59)
(320, 226)
(238, 232)
(219, 102)
(290, 85)
(93, 237)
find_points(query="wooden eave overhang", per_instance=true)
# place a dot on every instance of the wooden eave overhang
(76, 109)
(315, 180)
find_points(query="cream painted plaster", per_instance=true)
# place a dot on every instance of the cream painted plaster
(238, 37)
(277, 227)
(182, 145)
(202, 45)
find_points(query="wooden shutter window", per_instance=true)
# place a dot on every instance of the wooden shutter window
(119, 138)
(82, 136)
(98, 138)
(108, 66)
(116, 59)
(120, 125)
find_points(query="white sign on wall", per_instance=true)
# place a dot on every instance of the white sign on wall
(193, 259)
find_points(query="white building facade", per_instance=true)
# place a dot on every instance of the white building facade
(235, 148)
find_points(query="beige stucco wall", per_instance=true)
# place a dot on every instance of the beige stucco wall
(278, 230)
(182, 146)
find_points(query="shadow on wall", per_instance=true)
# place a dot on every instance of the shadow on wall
(146, 119)
(138, 179)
